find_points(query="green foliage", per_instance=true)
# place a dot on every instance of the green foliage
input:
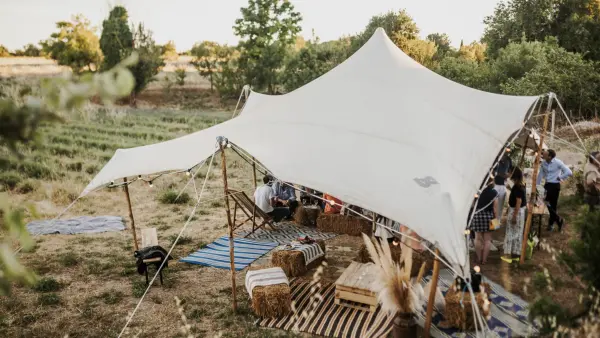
(112, 297)
(138, 288)
(150, 58)
(9, 180)
(47, 284)
(69, 259)
(209, 57)
(474, 51)
(180, 75)
(467, 72)
(32, 50)
(74, 45)
(548, 313)
(442, 42)
(169, 51)
(116, 40)
(49, 299)
(266, 29)
(27, 186)
(170, 197)
(584, 258)
(399, 26)
(4, 52)
(229, 81)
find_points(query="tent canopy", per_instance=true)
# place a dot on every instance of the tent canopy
(379, 131)
(529, 139)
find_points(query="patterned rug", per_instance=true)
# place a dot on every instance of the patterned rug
(509, 313)
(285, 233)
(216, 254)
(329, 319)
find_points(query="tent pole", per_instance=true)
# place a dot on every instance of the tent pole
(552, 128)
(432, 290)
(126, 189)
(532, 198)
(254, 182)
(231, 255)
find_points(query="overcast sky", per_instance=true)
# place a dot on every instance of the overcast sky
(189, 21)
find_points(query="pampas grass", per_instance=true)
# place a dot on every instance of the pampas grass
(392, 285)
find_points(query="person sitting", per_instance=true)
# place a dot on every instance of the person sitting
(264, 198)
(591, 181)
(285, 196)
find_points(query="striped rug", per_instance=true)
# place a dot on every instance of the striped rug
(216, 254)
(285, 233)
(329, 319)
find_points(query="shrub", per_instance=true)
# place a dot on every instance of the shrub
(69, 259)
(183, 240)
(548, 313)
(49, 299)
(170, 197)
(35, 170)
(27, 186)
(138, 288)
(180, 75)
(112, 297)
(75, 166)
(9, 180)
(91, 169)
(47, 284)
(62, 196)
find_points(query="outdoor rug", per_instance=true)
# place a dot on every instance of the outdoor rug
(329, 319)
(285, 233)
(77, 225)
(509, 313)
(216, 254)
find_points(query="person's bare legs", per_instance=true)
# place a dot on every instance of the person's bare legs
(487, 244)
(479, 246)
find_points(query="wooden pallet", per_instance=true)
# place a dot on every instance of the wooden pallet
(353, 288)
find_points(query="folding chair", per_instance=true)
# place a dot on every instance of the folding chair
(250, 209)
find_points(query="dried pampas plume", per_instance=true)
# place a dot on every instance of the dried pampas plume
(392, 283)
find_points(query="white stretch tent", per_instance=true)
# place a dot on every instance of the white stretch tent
(379, 131)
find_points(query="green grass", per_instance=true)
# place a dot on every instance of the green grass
(49, 299)
(111, 297)
(47, 284)
(69, 259)
(170, 197)
(10, 180)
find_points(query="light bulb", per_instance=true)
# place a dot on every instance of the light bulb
(228, 145)
(467, 232)
(187, 173)
(476, 195)
(139, 177)
(112, 182)
(507, 150)
(150, 184)
(332, 202)
(477, 268)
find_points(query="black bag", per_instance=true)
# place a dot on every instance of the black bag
(150, 252)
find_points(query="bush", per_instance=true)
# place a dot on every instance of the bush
(112, 297)
(91, 169)
(9, 180)
(36, 170)
(49, 299)
(27, 186)
(138, 288)
(180, 75)
(69, 259)
(47, 284)
(75, 166)
(548, 313)
(170, 197)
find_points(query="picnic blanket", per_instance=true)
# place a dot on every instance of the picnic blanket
(286, 233)
(310, 251)
(216, 254)
(509, 313)
(265, 277)
(325, 318)
(77, 225)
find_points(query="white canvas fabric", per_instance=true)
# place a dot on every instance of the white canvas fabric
(379, 131)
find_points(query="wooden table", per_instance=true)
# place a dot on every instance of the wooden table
(354, 287)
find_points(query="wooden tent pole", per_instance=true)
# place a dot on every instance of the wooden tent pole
(126, 189)
(231, 250)
(254, 182)
(432, 290)
(532, 198)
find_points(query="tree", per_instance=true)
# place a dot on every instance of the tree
(421, 51)
(207, 57)
(399, 26)
(474, 51)
(169, 51)
(116, 40)
(516, 59)
(4, 51)
(442, 42)
(312, 61)
(150, 59)
(31, 50)
(74, 45)
(229, 81)
(266, 29)
(467, 72)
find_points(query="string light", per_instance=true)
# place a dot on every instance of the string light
(477, 268)
(139, 177)
(228, 145)
(188, 173)
(467, 232)
(332, 202)
(150, 184)
(476, 195)
(112, 182)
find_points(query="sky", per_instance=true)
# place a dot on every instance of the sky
(190, 21)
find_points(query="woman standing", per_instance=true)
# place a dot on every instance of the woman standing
(484, 214)
(516, 217)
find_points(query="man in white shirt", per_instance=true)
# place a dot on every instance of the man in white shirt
(553, 171)
(264, 198)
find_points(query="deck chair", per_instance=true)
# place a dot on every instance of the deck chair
(250, 209)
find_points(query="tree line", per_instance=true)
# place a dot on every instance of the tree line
(529, 47)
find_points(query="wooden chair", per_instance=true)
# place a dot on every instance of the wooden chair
(250, 209)
(150, 238)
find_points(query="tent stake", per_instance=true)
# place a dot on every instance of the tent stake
(432, 290)
(231, 255)
(126, 189)
(532, 198)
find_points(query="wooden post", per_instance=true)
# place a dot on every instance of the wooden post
(524, 149)
(374, 223)
(432, 290)
(126, 189)
(532, 198)
(231, 255)
(254, 182)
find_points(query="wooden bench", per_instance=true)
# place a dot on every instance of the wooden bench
(250, 209)
(353, 288)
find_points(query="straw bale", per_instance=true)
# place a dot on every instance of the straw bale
(345, 225)
(364, 257)
(461, 316)
(272, 300)
(292, 262)
(306, 216)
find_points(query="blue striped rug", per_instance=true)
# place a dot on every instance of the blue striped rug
(216, 254)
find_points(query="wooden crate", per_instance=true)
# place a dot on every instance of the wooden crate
(353, 288)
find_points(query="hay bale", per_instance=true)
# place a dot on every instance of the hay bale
(272, 300)
(364, 257)
(345, 225)
(418, 259)
(306, 215)
(461, 316)
(292, 262)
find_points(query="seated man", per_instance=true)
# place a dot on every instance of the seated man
(285, 196)
(264, 198)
